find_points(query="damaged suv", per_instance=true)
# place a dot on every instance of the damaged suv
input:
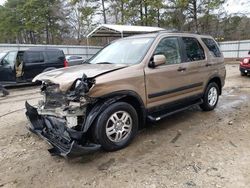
(104, 102)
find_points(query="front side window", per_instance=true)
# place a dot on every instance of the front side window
(194, 51)
(169, 47)
(212, 46)
(125, 51)
(10, 59)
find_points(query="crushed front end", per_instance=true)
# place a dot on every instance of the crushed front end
(61, 117)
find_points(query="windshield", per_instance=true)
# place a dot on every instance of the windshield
(126, 51)
(2, 54)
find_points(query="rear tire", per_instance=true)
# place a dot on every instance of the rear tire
(116, 127)
(210, 97)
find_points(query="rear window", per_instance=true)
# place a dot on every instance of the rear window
(194, 51)
(212, 46)
(34, 57)
(54, 55)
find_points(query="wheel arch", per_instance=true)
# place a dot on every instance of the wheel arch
(216, 79)
(103, 102)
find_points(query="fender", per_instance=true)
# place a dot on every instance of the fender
(96, 110)
(107, 100)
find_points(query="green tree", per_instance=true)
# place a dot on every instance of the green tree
(81, 17)
(11, 22)
(43, 18)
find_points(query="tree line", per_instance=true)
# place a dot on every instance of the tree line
(68, 22)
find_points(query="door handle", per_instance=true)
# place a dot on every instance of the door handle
(208, 65)
(181, 69)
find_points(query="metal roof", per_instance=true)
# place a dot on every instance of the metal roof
(107, 30)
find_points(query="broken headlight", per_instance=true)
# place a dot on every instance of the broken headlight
(80, 88)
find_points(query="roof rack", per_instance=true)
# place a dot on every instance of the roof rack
(175, 31)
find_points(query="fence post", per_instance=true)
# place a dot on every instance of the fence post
(238, 51)
(68, 51)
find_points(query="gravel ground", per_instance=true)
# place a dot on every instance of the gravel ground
(211, 149)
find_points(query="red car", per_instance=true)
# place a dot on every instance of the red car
(245, 66)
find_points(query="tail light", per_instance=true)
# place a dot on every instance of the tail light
(65, 63)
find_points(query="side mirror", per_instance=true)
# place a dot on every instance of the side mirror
(249, 53)
(157, 60)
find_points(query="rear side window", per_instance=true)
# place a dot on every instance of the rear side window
(194, 51)
(34, 57)
(54, 55)
(212, 46)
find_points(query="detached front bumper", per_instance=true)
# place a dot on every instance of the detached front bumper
(65, 141)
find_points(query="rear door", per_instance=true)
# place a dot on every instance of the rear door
(34, 64)
(7, 72)
(196, 61)
(167, 83)
(54, 59)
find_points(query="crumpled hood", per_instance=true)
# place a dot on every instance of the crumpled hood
(65, 77)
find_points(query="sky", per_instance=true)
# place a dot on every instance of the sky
(2, 2)
(231, 6)
(238, 6)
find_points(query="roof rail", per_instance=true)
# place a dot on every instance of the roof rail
(175, 31)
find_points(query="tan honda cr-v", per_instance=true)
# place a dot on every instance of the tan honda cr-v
(104, 102)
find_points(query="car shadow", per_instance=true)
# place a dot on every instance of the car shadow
(164, 125)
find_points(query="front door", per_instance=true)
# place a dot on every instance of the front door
(169, 82)
(7, 70)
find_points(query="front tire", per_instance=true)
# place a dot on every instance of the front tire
(116, 127)
(211, 97)
(243, 74)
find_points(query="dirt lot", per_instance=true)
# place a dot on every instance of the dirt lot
(212, 149)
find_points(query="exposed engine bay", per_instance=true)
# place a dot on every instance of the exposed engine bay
(60, 118)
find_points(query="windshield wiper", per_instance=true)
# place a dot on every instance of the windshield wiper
(104, 62)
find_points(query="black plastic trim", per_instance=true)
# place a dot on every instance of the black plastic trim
(166, 113)
(242, 69)
(167, 92)
(171, 105)
(54, 134)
